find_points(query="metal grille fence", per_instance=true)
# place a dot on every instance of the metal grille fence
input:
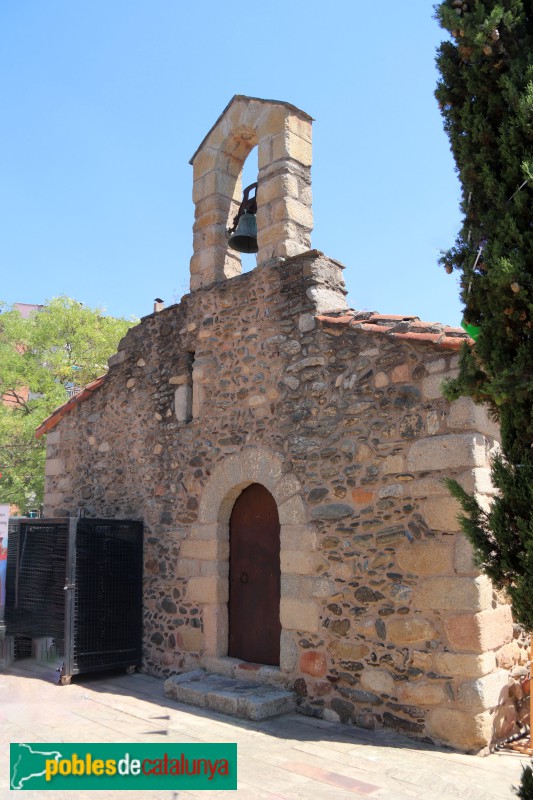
(35, 580)
(78, 581)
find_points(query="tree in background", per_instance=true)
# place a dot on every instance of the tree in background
(43, 359)
(486, 98)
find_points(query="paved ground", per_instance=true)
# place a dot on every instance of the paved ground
(281, 759)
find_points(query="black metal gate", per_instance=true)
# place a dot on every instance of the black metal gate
(78, 581)
(35, 578)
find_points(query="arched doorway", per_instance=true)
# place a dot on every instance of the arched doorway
(254, 577)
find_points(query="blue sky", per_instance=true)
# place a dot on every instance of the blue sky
(103, 104)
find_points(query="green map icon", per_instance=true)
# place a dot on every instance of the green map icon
(28, 763)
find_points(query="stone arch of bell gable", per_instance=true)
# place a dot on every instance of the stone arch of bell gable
(282, 135)
(297, 539)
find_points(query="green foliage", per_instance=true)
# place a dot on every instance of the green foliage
(503, 538)
(22, 459)
(525, 790)
(63, 344)
(486, 98)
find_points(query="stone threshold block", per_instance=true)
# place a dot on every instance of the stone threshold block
(246, 671)
(242, 699)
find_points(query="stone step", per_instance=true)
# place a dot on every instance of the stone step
(242, 699)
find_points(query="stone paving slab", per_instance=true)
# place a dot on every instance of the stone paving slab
(242, 699)
(290, 757)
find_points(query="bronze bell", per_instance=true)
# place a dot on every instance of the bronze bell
(243, 236)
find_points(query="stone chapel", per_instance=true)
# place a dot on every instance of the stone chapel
(285, 454)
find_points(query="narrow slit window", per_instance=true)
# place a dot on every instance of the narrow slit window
(183, 397)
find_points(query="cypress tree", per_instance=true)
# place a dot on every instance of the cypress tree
(525, 790)
(485, 94)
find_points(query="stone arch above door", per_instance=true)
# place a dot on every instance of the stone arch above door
(239, 470)
(301, 589)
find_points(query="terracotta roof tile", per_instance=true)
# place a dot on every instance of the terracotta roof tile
(370, 327)
(51, 421)
(390, 318)
(346, 319)
(454, 342)
(396, 326)
(456, 332)
(415, 336)
(427, 326)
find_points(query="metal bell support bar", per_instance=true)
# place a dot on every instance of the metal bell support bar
(243, 235)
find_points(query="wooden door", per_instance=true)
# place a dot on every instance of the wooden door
(254, 577)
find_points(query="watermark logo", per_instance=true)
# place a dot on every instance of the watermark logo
(123, 766)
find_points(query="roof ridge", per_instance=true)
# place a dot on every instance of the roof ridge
(406, 327)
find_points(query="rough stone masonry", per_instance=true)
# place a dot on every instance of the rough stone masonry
(267, 377)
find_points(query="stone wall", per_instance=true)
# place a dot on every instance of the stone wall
(385, 620)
